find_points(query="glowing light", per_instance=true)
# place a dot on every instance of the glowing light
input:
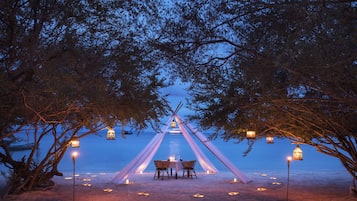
(127, 181)
(261, 189)
(269, 139)
(143, 194)
(75, 142)
(110, 134)
(233, 193)
(235, 180)
(251, 134)
(74, 155)
(197, 195)
(297, 153)
(108, 190)
(173, 124)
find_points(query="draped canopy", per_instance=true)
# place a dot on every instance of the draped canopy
(142, 160)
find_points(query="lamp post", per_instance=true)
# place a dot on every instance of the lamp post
(74, 156)
(289, 158)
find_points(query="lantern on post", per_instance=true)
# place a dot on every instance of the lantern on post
(269, 139)
(173, 123)
(75, 142)
(111, 134)
(251, 134)
(297, 153)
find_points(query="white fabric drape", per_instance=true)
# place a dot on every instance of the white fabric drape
(201, 157)
(142, 160)
(215, 151)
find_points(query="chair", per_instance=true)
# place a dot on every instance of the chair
(161, 166)
(189, 167)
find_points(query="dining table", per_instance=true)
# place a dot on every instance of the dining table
(177, 165)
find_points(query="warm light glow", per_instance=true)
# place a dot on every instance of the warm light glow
(261, 189)
(108, 190)
(233, 193)
(74, 155)
(235, 180)
(75, 142)
(111, 134)
(143, 194)
(207, 171)
(172, 158)
(197, 195)
(297, 153)
(173, 124)
(141, 172)
(289, 158)
(251, 134)
(269, 139)
(127, 181)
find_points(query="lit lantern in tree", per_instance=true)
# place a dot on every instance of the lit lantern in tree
(173, 123)
(111, 134)
(251, 134)
(269, 139)
(297, 153)
(75, 142)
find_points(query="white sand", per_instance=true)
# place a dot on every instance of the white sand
(304, 186)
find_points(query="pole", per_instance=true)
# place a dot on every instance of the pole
(74, 155)
(287, 187)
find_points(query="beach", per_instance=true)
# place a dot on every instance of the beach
(269, 186)
(316, 177)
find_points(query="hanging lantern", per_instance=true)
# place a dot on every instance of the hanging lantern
(173, 124)
(269, 139)
(111, 134)
(297, 153)
(251, 134)
(75, 142)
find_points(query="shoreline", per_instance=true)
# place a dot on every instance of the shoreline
(303, 185)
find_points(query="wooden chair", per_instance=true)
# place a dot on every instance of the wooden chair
(189, 168)
(161, 166)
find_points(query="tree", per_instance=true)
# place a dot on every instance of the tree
(284, 68)
(72, 68)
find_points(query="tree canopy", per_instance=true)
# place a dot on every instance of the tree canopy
(73, 68)
(283, 68)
